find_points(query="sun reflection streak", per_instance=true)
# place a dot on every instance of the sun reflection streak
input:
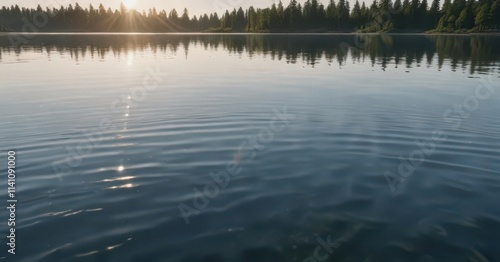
(113, 247)
(105, 249)
(130, 185)
(130, 58)
(118, 179)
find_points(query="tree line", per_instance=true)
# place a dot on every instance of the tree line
(310, 16)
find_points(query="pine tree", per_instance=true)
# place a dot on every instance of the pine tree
(185, 21)
(356, 14)
(434, 13)
(422, 15)
(331, 13)
(281, 15)
(481, 18)
(495, 14)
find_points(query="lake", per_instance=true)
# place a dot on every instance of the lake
(201, 147)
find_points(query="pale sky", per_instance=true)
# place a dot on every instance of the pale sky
(195, 7)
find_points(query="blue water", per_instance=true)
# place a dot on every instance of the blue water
(252, 147)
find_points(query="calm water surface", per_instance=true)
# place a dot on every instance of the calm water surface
(315, 138)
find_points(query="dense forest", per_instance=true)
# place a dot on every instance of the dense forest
(311, 16)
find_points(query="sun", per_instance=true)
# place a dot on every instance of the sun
(129, 4)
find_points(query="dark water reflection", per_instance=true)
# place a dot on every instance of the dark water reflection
(356, 111)
(476, 53)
